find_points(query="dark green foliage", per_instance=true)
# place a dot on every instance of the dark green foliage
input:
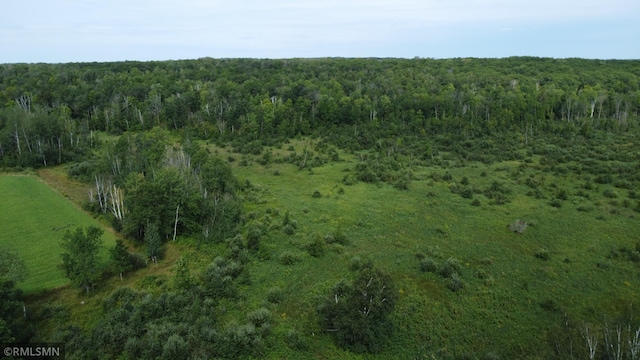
(316, 194)
(275, 295)
(455, 283)
(383, 169)
(557, 203)
(562, 194)
(80, 256)
(610, 193)
(10, 312)
(255, 231)
(542, 254)
(317, 246)
(357, 313)
(498, 193)
(182, 278)
(428, 265)
(288, 258)
(433, 116)
(337, 237)
(153, 242)
(218, 278)
(120, 258)
(450, 267)
(12, 267)
(296, 341)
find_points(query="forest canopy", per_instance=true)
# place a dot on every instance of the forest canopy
(50, 111)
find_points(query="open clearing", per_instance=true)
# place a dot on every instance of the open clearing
(33, 222)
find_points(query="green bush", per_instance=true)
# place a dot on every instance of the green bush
(455, 283)
(450, 267)
(275, 295)
(295, 341)
(317, 246)
(357, 313)
(428, 265)
(556, 203)
(316, 194)
(542, 254)
(288, 258)
(518, 226)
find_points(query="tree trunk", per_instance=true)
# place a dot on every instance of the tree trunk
(175, 225)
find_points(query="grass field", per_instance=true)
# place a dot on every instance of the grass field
(517, 287)
(574, 261)
(34, 219)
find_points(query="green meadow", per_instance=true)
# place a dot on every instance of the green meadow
(516, 288)
(33, 222)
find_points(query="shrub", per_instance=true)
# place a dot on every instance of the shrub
(295, 341)
(467, 193)
(260, 317)
(317, 246)
(288, 258)
(542, 254)
(481, 274)
(275, 295)
(518, 226)
(349, 180)
(610, 193)
(556, 203)
(464, 181)
(455, 283)
(450, 267)
(428, 265)
(316, 194)
(289, 229)
(562, 194)
(475, 202)
(498, 192)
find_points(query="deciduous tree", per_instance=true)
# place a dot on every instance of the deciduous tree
(80, 256)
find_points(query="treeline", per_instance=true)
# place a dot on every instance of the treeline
(50, 111)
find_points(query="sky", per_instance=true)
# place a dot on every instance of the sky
(59, 31)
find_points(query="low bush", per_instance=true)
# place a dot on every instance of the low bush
(288, 258)
(455, 283)
(518, 226)
(428, 265)
(542, 254)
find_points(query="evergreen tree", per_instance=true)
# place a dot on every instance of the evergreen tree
(120, 258)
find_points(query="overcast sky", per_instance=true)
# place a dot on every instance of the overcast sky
(114, 30)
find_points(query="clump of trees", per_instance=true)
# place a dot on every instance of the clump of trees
(357, 312)
(12, 325)
(80, 261)
(152, 191)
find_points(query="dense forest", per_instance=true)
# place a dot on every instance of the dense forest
(148, 138)
(51, 111)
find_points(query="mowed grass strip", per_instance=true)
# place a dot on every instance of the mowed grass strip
(33, 220)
